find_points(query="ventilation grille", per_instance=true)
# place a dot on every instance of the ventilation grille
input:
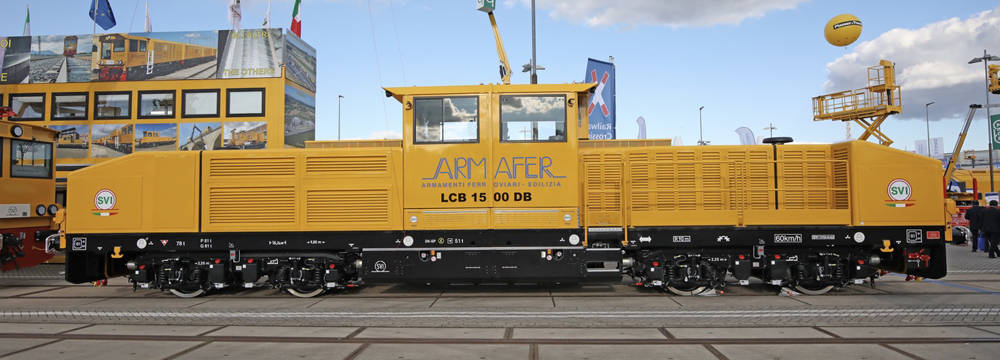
(251, 206)
(368, 207)
(344, 165)
(354, 144)
(242, 167)
(456, 218)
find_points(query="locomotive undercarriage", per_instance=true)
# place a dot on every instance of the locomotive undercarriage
(807, 271)
(192, 275)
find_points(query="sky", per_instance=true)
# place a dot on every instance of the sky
(749, 63)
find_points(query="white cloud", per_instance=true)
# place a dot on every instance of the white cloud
(386, 135)
(660, 12)
(931, 64)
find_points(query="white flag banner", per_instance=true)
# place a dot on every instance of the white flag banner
(267, 16)
(746, 136)
(642, 127)
(149, 21)
(235, 14)
(921, 147)
(937, 148)
(677, 141)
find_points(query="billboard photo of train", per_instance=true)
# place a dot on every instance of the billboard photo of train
(156, 137)
(112, 140)
(61, 58)
(73, 141)
(156, 56)
(245, 135)
(300, 117)
(200, 136)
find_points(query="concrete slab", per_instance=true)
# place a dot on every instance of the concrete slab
(264, 350)
(587, 333)
(602, 290)
(971, 277)
(664, 352)
(284, 331)
(861, 300)
(145, 304)
(959, 299)
(444, 351)
(11, 345)
(373, 303)
(991, 286)
(605, 302)
(921, 287)
(285, 302)
(494, 302)
(794, 352)
(995, 329)
(93, 292)
(152, 330)
(107, 349)
(952, 351)
(748, 333)
(736, 301)
(27, 328)
(909, 332)
(44, 304)
(431, 333)
(21, 290)
(498, 290)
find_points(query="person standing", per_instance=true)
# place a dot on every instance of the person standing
(990, 223)
(974, 225)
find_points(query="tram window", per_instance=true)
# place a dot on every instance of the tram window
(28, 106)
(119, 45)
(113, 105)
(106, 51)
(245, 102)
(142, 46)
(30, 159)
(200, 103)
(156, 104)
(533, 118)
(446, 120)
(133, 45)
(69, 106)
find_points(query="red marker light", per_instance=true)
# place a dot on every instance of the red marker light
(249, 261)
(638, 284)
(742, 257)
(142, 267)
(861, 262)
(776, 256)
(333, 266)
(218, 261)
(656, 263)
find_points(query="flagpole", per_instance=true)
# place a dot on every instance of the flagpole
(95, 17)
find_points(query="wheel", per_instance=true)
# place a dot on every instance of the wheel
(305, 294)
(812, 289)
(686, 290)
(187, 294)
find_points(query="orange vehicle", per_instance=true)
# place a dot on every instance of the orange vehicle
(27, 193)
(124, 57)
(254, 138)
(120, 139)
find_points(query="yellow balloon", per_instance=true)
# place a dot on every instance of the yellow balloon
(842, 30)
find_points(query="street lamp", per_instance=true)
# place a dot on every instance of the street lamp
(338, 115)
(986, 58)
(928, 116)
(771, 128)
(701, 136)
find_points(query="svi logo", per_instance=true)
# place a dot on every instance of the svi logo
(104, 203)
(899, 191)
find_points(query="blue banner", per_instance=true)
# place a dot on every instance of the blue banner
(601, 110)
(100, 12)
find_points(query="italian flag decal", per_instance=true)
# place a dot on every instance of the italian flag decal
(899, 205)
(297, 19)
(105, 213)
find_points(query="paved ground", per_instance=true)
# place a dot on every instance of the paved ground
(957, 317)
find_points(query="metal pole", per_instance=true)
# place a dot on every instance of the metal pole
(534, 62)
(701, 136)
(986, 69)
(338, 115)
(928, 117)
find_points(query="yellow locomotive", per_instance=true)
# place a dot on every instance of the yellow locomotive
(253, 138)
(27, 194)
(506, 207)
(69, 45)
(153, 139)
(122, 57)
(71, 138)
(120, 139)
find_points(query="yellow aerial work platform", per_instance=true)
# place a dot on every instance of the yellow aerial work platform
(868, 106)
(994, 79)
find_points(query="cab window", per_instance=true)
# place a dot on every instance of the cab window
(119, 45)
(105, 51)
(30, 159)
(446, 120)
(533, 118)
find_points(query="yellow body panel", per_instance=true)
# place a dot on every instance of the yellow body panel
(21, 190)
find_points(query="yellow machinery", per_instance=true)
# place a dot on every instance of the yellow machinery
(124, 57)
(994, 79)
(70, 138)
(253, 138)
(153, 139)
(120, 139)
(27, 194)
(869, 106)
(477, 191)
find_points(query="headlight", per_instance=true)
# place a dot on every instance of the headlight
(52, 209)
(40, 210)
(17, 131)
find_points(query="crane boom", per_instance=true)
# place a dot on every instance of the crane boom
(505, 67)
(949, 171)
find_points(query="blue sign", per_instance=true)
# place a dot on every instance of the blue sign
(601, 110)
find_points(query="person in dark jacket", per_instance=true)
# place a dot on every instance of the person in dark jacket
(973, 216)
(990, 223)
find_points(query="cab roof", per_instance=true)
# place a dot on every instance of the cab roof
(399, 92)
